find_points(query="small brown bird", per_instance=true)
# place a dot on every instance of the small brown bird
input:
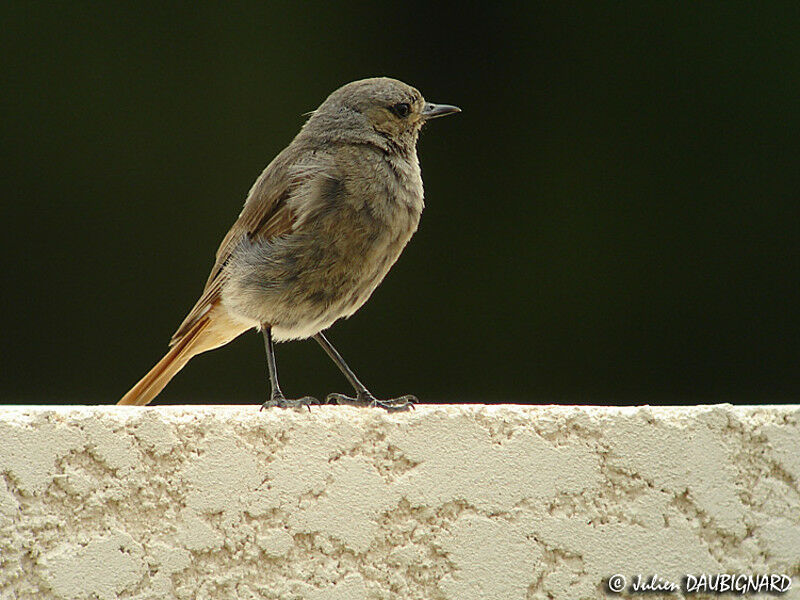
(319, 230)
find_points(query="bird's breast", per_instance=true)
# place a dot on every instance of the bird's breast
(349, 231)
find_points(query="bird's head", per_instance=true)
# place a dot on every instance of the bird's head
(378, 106)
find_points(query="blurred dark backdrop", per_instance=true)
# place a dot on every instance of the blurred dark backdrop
(612, 219)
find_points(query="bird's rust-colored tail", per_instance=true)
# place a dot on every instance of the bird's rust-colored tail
(193, 342)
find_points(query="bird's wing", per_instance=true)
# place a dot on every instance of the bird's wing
(265, 215)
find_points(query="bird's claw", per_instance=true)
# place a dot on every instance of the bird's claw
(392, 405)
(281, 402)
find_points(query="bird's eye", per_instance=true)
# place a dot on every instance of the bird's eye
(402, 109)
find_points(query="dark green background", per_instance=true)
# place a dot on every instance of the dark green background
(613, 218)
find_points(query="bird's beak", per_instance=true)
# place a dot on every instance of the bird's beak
(431, 111)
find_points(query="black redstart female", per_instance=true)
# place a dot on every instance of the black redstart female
(319, 230)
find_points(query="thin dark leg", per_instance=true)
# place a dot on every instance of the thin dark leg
(275, 388)
(276, 397)
(363, 395)
(337, 358)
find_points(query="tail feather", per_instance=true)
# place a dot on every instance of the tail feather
(187, 346)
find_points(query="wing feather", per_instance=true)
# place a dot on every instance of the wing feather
(264, 216)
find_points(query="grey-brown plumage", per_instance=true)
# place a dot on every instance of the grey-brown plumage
(320, 229)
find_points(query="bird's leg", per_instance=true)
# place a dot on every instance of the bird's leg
(363, 396)
(276, 395)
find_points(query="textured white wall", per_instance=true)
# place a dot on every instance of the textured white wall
(458, 503)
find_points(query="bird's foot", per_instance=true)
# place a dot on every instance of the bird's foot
(366, 399)
(281, 402)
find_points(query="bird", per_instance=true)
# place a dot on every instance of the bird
(320, 228)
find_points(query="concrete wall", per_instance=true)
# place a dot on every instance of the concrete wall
(461, 502)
